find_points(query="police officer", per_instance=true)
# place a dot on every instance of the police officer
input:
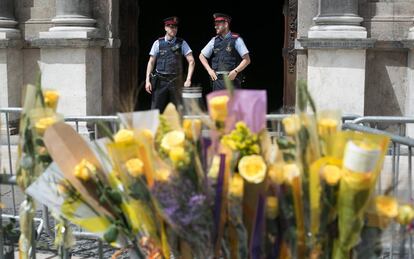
(228, 53)
(166, 57)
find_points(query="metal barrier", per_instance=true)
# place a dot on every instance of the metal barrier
(403, 189)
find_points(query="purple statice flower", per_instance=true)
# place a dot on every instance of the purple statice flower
(187, 211)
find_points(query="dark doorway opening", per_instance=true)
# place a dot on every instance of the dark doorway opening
(261, 25)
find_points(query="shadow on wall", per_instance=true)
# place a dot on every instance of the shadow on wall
(385, 83)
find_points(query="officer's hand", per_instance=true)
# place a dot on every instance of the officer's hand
(148, 87)
(187, 83)
(212, 74)
(232, 75)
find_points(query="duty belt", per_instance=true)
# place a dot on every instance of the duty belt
(165, 76)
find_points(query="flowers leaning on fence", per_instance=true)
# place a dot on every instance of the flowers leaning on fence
(39, 113)
(221, 186)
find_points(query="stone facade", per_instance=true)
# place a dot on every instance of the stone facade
(386, 75)
(74, 43)
(358, 54)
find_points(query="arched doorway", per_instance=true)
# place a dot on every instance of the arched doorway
(266, 30)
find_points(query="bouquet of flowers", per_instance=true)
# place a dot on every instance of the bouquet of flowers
(221, 186)
(39, 112)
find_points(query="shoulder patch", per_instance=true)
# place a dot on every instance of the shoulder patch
(235, 35)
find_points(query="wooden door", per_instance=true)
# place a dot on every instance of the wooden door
(289, 54)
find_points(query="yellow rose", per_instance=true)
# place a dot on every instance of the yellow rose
(405, 214)
(124, 136)
(177, 154)
(218, 107)
(84, 170)
(291, 125)
(276, 174)
(162, 175)
(327, 126)
(214, 168)
(252, 168)
(148, 135)
(51, 98)
(192, 128)
(272, 207)
(236, 188)
(173, 139)
(386, 206)
(135, 167)
(43, 123)
(332, 174)
(290, 172)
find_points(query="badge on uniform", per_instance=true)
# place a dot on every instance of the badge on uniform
(228, 49)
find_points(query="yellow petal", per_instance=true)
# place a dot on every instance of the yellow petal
(218, 107)
(405, 214)
(291, 125)
(173, 139)
(252, 168)
(177, 154)
(332, 174)
(386, 206)
(272, 207)
(236, 186)
(276, 174)
(124, 136)
(135, 167)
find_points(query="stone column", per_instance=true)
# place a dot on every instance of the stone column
(338, 19)
(336, 57)
(7, 21)
(71, 58)
(73, 20)
(409, 101)
(11, 72)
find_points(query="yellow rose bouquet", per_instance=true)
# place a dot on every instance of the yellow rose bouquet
(161, 189)
(33, 156)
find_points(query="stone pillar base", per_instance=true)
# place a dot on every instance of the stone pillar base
(337, 32)
(9, 33)
(411, 34)
(70, 33)
(76, 73)
(336, 73)
(336, 79)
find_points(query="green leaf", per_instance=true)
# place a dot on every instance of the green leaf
(302, 96)
(285, 143)
(115, 196)
(111, 234)
(105, 130)
(45, 159)
(139, 192)
(39, 142)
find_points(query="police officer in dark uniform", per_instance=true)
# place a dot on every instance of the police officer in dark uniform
(227, 52)
(166, 56)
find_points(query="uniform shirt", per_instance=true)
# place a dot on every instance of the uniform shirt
(239, 45)
(155, 49)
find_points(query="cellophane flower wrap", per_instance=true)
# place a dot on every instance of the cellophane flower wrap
(223, 185)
